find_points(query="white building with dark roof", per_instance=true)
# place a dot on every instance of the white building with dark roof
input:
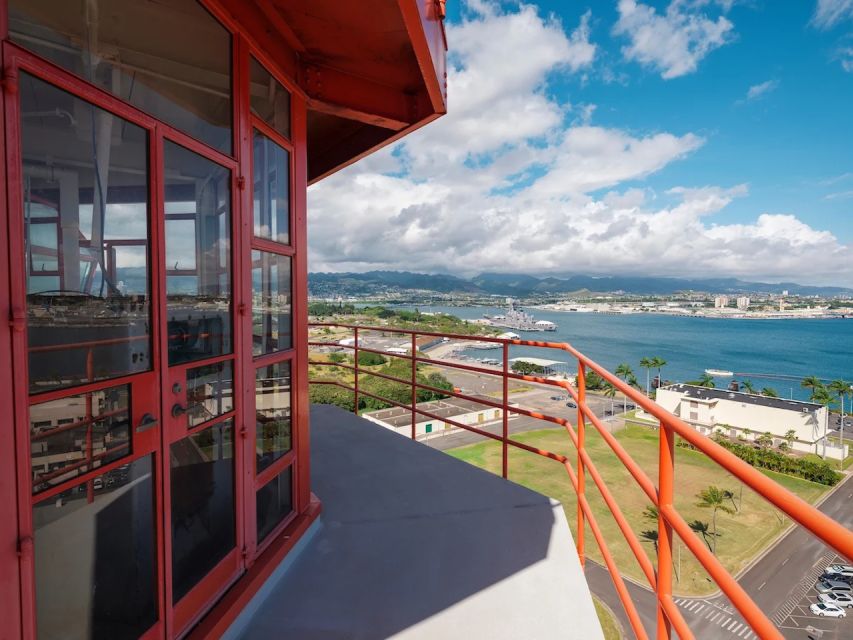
(748, 416)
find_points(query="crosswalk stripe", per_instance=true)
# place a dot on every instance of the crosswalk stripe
(744, 631)
(679, 601)
(736, 628)
(701, 606)
(732, 626)
(709, 614)
(693, 606)
(722, 624)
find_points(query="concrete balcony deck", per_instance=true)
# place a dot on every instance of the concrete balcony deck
(415, 544)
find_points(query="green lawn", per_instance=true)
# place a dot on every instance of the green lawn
(740, 537)
(609, 625)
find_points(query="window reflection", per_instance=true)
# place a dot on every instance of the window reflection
(198, 250)
(203, 521)
(269, 100)
(271, 302)
(143, 54)
(86, 239)
(210, 392)
(76, 434)
(274, 502)
(272, 413)
(271, 189)
(95, 557)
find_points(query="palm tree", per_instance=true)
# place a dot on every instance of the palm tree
(822, 395)
(714, 498)
(730, 496)
(790, 436)
(647, 364)
(624, 371)
(840, 389)
(609, 391)
(697, 526)
(769, 392)
(650, 535)
(650, 512)
(812, 382)
(747, 386)
(659, 363)
(706, 381)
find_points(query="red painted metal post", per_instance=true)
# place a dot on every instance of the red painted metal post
(414, 381)
(580, 383)
(666, 480)
(504, 441)
(355, 362)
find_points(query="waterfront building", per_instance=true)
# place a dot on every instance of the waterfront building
(721, 302)
(443, 414)
(743, 303)
(748, 416)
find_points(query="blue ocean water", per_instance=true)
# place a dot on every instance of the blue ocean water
(798, 348)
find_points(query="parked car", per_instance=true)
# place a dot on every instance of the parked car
(828, 610)
(832, 575)
(558, 398)
(843, 570)
(843, 600)
(571, 405)
(833, 586)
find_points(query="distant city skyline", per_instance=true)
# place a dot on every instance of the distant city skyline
(689, 138)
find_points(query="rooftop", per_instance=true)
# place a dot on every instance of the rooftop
(415, 544)
(704, 393)
(447, 408)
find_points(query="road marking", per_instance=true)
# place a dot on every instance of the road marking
(785, 561)
(717, 615)
(679, 601)
(734, 626)
(701, 606)
(745, 630)
(722, 624)
(762, 585)
(737, 628)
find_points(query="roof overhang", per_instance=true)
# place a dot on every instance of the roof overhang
(371, 71)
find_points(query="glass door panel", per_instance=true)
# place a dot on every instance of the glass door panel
(85, 212)
(200, 378)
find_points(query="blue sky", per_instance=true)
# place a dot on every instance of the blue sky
(602, 128)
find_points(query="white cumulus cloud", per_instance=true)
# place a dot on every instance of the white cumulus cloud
(515, 179)
(758, 90)
(675, 41)
(828, 13)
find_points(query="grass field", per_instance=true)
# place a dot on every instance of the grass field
(609, 625)
(740, 537)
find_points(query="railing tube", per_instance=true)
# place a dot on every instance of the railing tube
(580, 384)
(505, 410)
(355, 359)
(666, 473)
(414, 383)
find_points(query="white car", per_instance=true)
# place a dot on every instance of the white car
(828, 610)
(838, 599)
(841, 569)
(833, 586)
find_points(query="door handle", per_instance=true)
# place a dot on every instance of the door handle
(178, 410)
(146, 423)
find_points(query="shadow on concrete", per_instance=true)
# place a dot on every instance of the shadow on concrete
(417, 544)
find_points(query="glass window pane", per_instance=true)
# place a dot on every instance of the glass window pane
(73, 435)
(269, 100)
(274, 502)
(86, 233)
(272, 413)
(271, 189)
(95, 557)
(198, 264)
(210, 392)
(271, 303)
(203, 523)
(170, 59)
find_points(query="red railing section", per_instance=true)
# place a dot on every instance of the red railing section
(660, 494)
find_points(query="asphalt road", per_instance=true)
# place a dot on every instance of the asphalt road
(781, 584)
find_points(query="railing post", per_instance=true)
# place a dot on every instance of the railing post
(666, 477)
(505, 412)
(355, 360)
(414, 381)
(580, 383)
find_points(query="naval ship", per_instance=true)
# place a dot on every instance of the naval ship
(518, 319)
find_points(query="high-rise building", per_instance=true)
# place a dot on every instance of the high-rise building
(721, 302)
(743, 303)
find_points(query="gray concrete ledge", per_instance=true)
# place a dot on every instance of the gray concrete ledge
(418, 545)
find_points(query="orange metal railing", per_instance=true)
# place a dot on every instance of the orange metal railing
(660, 494)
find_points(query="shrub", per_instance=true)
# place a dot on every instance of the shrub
(327, 394)
(337, 357)
(819, 472)
(368, 359)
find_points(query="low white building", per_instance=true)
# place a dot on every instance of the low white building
(466, 412)
(748, 416)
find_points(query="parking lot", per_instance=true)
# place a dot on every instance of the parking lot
(796, 620)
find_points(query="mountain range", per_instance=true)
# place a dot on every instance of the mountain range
(519, 285)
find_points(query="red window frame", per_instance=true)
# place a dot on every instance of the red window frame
(154, 441)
